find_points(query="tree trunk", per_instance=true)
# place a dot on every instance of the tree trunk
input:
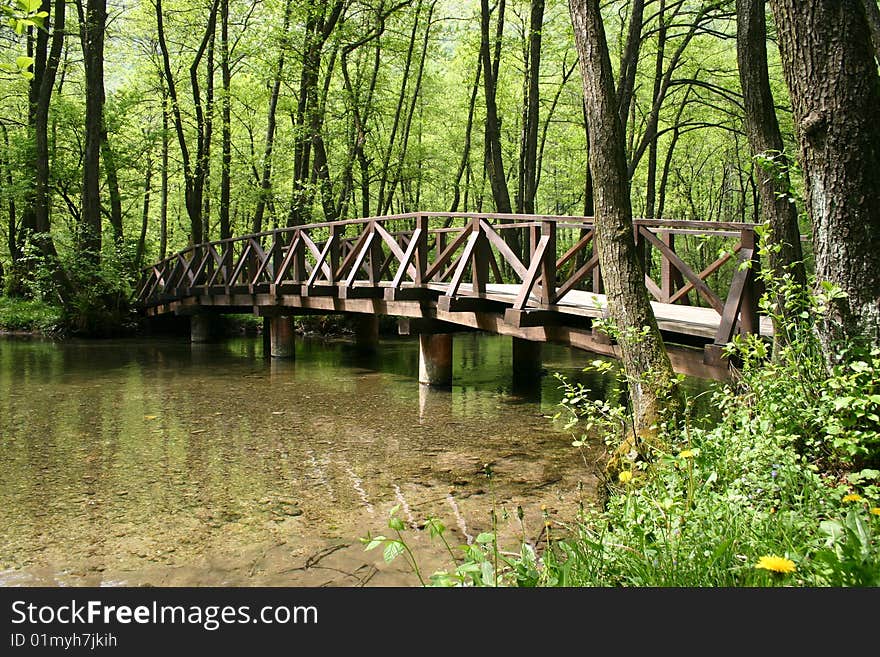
(36, 214)
(872, 13)
(407, 128)
(93, 20)
(322, 20)
(529, 149)
(642, 352)
(832, 78)
(12, 233)
(266, 175)
(762, 129)
(163, 189)
(466, 149)
(629, 63)
(494, 163)
(651, 182)
(225, 124)
(145, 212)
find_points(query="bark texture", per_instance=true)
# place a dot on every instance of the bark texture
(765, 140)
(829, 67)
(642, 352)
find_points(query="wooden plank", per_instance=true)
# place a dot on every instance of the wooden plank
(506, 252)
(362, 253)
(292, 252)
(394, 246)
(470, 305)
(708, 271)
(532, 274)
(689, 273)
(352, 253)
(320, 265)
(447, 252)
(242, 261)
(320, 254)
(582, 242)
(407, 259)
(463, 262)
(577, 277)
(734, 301)
(541, 317)
(423, 294)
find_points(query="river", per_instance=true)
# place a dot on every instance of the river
(154, 461)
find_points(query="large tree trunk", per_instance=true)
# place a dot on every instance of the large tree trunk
(36, 221)
(494, 162)
(642, 352)
(529, 148)
(766, 143)
(407, 127)
(835, 92)
(93, 19)
(322, 20)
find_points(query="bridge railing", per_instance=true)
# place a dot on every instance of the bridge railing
(534, 261)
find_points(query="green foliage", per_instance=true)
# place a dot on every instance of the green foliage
(93, 299)
(788, 470)
(28, 315)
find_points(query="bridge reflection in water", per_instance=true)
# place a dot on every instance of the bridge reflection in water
(535, 278)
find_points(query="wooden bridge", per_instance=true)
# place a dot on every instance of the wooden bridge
(535, 278)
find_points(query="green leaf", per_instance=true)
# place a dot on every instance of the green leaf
(29, 6)
(396, 523)
(393, 550)
(24, 62)
(487, 572)
(485, 538)
(374, 543)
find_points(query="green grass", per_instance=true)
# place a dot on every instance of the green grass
(28, 315)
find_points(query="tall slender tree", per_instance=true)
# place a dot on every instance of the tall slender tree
(642, 352)
(766, 143)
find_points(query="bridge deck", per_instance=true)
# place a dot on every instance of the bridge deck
(545, 272)
(672, 318)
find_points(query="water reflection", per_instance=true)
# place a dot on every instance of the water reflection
(163, 462)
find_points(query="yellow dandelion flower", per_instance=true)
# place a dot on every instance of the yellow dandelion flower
(875, 511)
(776, 564)
(853, 497)
(625, 476)
(686, 454)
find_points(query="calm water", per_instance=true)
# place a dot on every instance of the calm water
(159, 462)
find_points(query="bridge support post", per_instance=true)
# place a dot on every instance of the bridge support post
(435, 359)
(267, 342)
(526, 360)
(366, 332)
(202, 328)
(282, 339)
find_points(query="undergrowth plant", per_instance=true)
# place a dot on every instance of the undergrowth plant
(780, 487)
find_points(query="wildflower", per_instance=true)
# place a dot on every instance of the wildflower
(686, 454)
(776, 564)
(875, 511)
(853, 497)
(625, 476)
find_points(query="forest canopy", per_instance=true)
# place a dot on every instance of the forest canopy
(223, 117)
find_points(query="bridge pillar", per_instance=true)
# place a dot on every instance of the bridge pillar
(526, 360)
(282, 339)
(366, 332)
(435, 359)
(202, 328)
